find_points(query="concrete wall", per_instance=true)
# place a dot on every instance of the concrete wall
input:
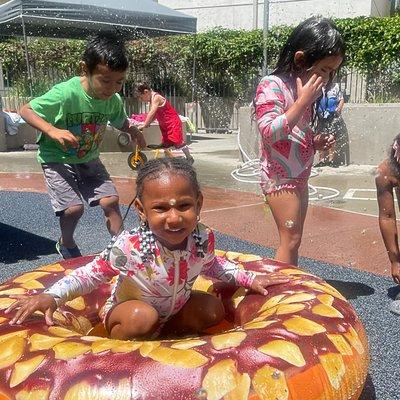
(239, 14)
(371, 129)
(27, 135)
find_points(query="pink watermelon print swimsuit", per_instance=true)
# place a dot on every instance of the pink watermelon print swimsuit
(165, 281)
(286, 154)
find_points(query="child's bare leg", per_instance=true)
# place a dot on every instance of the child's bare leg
(112, 213)
(132, 319)
(187, 154)
(200, 312)
(289, 211)
(68, 221)
(323, 155)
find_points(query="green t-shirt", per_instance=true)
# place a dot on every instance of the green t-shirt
(68, 106)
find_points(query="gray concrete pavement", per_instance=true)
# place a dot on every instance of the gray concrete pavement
(217, 155)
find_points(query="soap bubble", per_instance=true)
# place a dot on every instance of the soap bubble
(289, 224)
(276, 374)
(201, 394)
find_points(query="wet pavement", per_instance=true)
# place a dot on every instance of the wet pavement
(341, 240)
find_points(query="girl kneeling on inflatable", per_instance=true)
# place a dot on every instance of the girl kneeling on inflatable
(155, 264)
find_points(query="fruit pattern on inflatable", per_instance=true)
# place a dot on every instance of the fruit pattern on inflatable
(301, 341)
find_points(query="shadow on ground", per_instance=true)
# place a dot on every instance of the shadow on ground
(17, 245)
(368, 392)
(351, 290)
(394, 292)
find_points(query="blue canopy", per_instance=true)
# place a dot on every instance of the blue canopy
(79, 18)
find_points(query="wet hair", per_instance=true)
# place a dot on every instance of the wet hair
(393, 164)
(156, 168)
(105, 48)
(317, 38)
(141, 87)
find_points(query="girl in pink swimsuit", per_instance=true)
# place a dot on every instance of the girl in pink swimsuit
(285, 112)
(168, 120)
(155, 265)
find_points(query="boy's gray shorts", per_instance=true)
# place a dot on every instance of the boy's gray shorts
(68, 184)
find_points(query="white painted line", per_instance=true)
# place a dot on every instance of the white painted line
(232, 208)
(350, 194)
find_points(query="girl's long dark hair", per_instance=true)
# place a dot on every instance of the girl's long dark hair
(317, 38)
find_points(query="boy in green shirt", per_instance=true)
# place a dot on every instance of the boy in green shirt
(72, 118)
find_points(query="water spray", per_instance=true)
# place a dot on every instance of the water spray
(250, 171)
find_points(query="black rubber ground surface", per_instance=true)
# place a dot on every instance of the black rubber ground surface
(29, 230)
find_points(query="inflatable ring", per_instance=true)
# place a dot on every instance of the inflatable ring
(303, 341)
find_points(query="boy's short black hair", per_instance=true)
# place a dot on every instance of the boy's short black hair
(106, 48)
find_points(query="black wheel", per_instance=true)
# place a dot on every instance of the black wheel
(136, 162)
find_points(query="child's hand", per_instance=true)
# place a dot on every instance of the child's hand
(310, 92)
(64, 137)
(395, 268)
(323, 141)
(137, 135)
(27, 305)
(261, 282)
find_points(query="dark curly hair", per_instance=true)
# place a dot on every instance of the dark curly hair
(393, 164)
(154, 169)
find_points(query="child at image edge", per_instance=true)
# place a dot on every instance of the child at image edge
(156, 264)
(387, 181)
(72, 118)
(285, 110)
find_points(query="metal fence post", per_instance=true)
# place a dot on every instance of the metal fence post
(265, 36)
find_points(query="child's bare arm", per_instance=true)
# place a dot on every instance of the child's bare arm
(62, 136)
(387, 219)
(156, 102)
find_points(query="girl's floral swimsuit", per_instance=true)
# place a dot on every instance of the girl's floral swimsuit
(165, 281)
(286, 154)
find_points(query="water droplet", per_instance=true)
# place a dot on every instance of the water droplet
(276, 374)
(363, 232)
(289, 224)
(374, 242)
(352, 264)
(201, 394)
(364, 209)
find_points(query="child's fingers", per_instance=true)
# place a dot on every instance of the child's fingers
(48, 315)
(17, 316)
(16, 304)
(299, 85)
(26, 312)
(259, 288)
(313, 79)
(62, 143)
(71, 139)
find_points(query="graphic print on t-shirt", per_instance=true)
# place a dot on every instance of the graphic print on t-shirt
(89, 129)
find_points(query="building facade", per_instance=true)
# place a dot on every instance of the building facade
(248, 14)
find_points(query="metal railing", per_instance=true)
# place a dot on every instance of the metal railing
(212, 107)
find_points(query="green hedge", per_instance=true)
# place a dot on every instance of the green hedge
(223, 58)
